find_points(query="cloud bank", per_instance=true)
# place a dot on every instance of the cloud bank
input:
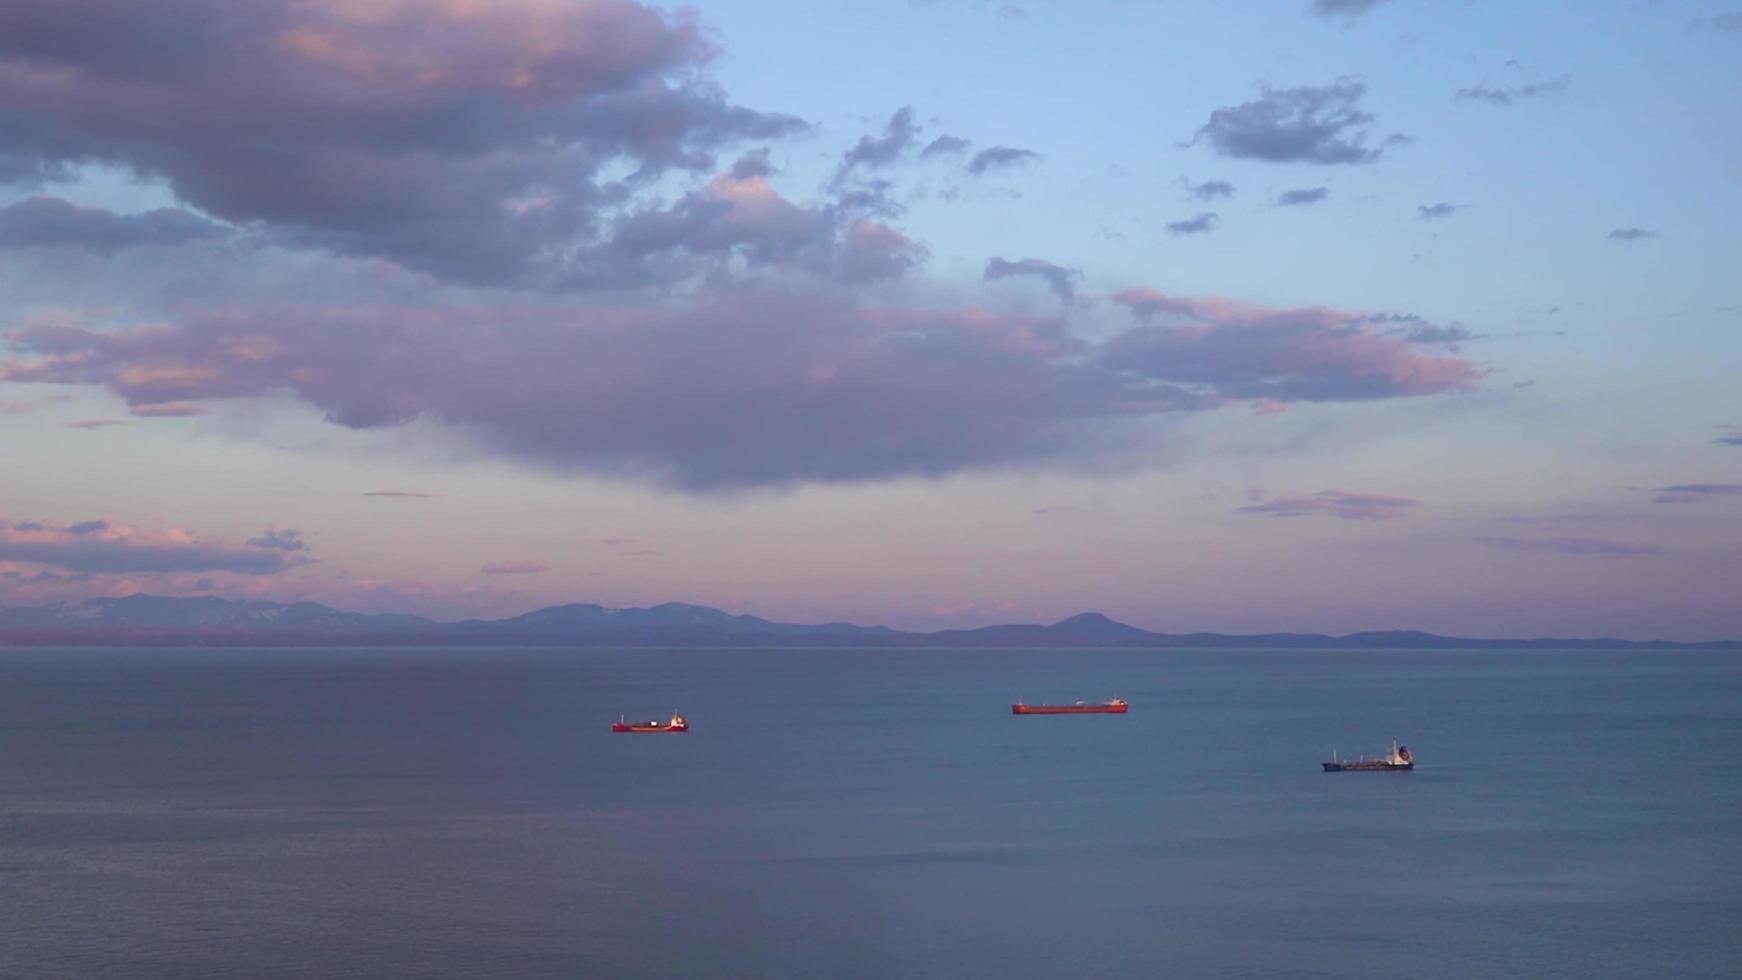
(753, 388)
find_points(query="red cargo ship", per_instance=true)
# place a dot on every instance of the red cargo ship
(678, 723)
(1112, 706)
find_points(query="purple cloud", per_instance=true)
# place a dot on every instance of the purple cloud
(743, 388)
(100, 547)
(1336, 503)
(1309, 124)
(530, 566)
(1733, 439)
(1582, 547)
(1695, 493)
(470, 140)
(1059, 279)
(1000, 157)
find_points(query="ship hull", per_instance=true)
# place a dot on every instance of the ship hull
(1367, 766)
(620, 727)
(1068, 709)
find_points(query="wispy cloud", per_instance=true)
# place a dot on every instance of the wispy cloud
(94, 423)
(1631, 234)
(1347, 9)
(1209, 190)
(1695, 493)
(1734, 437)
(526, 566)
(945, 144)
(1508, 96)
(1577, 547)
(1434, 212)
(418, 494)
(1336, 503)
(1000, 157)
(1058, 278)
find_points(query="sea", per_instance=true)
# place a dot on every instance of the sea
(467, 813)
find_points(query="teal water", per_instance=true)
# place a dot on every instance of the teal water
(466, 813)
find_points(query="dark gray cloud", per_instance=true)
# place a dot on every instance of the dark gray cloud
(944, 144)
(1695, 493)
(1576, 547)
(99, 547)
(1197, 224)
(1309, 124)
(1434, 212)
(884, 149)
(1058, 278)
(1349, 9)
(1734, 438)
(999, 157)
(1507, 96)
(52, 221)
(1303, 195)
(1209, 190)
(1631, 234)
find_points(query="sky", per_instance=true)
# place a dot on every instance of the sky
(1326, 315)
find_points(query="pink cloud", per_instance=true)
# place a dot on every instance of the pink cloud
(530, 566)
(1336, 503)
(1279, 355)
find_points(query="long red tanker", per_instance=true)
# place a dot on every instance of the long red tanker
(678, 723)
(1113, 706)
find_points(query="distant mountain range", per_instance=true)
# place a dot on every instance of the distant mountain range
(209, 621)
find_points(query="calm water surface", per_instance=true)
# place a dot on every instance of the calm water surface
(467, 814)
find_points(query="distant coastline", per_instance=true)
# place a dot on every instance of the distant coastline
(144, 620)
